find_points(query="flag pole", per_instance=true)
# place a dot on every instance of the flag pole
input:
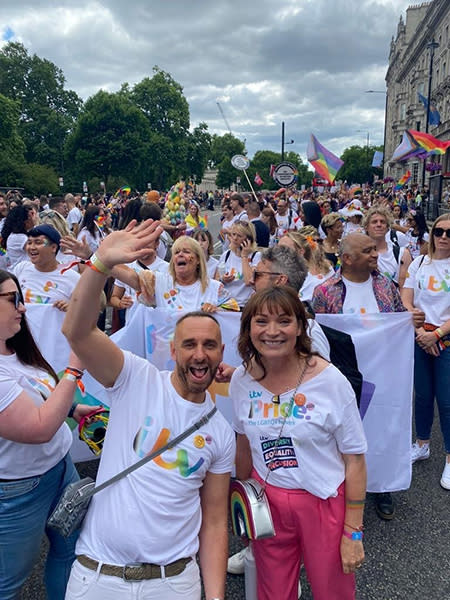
(251, 187)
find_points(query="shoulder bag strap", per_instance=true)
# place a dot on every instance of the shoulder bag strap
(200, 423)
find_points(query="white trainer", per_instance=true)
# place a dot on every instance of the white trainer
(420, 452)
(235, 564)
(445, 479)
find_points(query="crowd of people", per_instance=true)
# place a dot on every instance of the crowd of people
(285, 257)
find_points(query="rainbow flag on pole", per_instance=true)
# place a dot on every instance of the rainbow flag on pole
(325, 162)
(429, 143)
(403, 180)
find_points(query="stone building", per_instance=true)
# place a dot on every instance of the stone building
(408, 74)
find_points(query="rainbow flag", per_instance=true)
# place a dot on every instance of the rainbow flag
(125, 189)
(325, 162)
(429, 143)
(403, 180)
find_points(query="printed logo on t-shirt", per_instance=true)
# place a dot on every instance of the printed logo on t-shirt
(142, 441)
(171, 298)
(433, 285)
(279, 453)
(269, 413)
(43, 386)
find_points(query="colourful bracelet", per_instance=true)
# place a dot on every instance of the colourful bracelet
(97, 265)
(73, 371)
(438, 333)
(360, 528)
(355, 503)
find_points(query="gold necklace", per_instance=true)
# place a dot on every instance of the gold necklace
(276, 397)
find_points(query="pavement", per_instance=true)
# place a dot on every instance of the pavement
(407, 558)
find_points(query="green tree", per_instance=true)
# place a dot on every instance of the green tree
(223, 148)
(357, 167)
(12, 148)
(199, 149)
(111, 137)
(262, 162)
(161, 100)
(47, 110)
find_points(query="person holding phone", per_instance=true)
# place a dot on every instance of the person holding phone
(235, 269)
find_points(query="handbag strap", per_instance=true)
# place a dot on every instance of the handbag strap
(197, 425)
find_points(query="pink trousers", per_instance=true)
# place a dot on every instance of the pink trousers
(308, 531)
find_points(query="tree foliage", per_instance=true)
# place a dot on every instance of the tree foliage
(223, 148)
(261, 164)
(357, 167)
(47, 109)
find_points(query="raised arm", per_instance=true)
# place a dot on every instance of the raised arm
(103, 358)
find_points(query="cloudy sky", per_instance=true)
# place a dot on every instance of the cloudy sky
(305, 62)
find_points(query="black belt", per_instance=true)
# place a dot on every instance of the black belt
(136, 572)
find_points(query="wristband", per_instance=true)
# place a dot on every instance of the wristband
(355, 536)
(97, 265)
(360, 528)
(72, 410)
(438, 333)
(74, 372)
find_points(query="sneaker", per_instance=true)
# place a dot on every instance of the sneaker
(235, 564)
(420, 452)
(445, 479)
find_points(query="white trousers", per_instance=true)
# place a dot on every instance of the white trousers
(85, 584)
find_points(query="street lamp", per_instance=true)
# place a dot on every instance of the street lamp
(385, 121)
(283, 143)
(431, 46)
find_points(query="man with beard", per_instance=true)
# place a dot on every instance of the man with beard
(146, 529)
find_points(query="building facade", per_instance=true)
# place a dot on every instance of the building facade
(408, 75)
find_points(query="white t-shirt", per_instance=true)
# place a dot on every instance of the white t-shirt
(15, 248)
(312, 281)
(430, 280)
(187, 297)
(18, 460)
(323, 424)
(230, 263)
(402, 239)
(152, 515)
(242, 216)
(359, 298)
(211, 266)
(387, 265)
(45, 288)
(74, 217)
(413, 242)
(92, 240)
(288, 222)
(319, 342)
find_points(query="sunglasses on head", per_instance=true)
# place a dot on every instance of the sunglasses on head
(15, 297)
(439, 232)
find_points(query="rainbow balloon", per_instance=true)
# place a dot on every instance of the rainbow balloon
(250, 512)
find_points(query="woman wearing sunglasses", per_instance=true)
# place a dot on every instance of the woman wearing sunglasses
(426, 294)
(34, 443)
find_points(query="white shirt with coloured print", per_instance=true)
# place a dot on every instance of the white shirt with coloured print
(231, 264)
(18, 461)
(359, 298)
(288, 222)
(311, 282)
(322, 422)
(153, 515)
(430, 280)
(15, 248)
(45, 287)
(169, 294)
(388, 265)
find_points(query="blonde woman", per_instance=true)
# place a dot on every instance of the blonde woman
(319, 268)
(333, 229)
(236, 265)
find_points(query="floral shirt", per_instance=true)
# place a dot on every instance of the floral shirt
(328, 298)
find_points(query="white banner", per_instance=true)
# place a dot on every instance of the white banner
(384, 345)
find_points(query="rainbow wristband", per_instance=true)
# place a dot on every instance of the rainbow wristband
(438, 333)
(355, 536)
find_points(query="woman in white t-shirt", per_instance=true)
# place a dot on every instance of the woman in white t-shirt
(235, 269)
(186, 285)
(319, 268)
(35, 466)
(92, 227)
(204, 238)
(14, 237)
(227, 222)
(426, 294)
(298, 428)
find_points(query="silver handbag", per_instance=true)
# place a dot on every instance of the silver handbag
(71, 509)
(250, 511)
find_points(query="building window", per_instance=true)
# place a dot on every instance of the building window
(402, 111)
(415, 172)
(420, 88)
(417, 125)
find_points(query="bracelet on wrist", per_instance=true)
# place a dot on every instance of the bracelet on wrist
(355, 536)
(72, 371)
(72, 410)
(360, 528)
(438, 333)
(97, 265)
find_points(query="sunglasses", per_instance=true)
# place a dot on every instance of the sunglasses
(15, 296)
(439, 232)
(258, 274)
